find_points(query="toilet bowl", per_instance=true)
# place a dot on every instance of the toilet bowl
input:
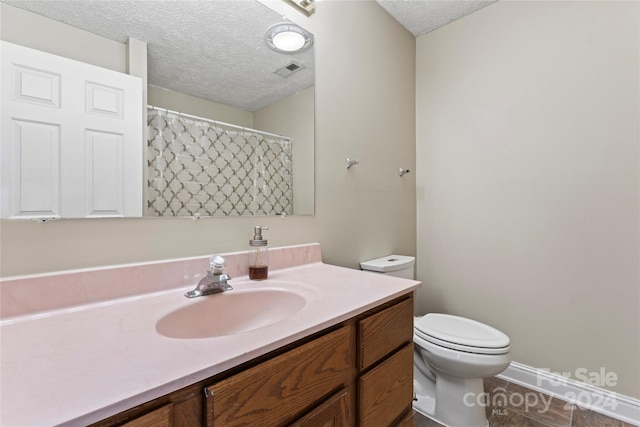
(452, 355)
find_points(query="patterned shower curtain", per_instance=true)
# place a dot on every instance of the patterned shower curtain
(197, 168)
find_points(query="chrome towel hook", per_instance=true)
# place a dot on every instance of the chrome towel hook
(351, 162)
(402, 171)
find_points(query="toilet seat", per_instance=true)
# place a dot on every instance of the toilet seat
(462, 334)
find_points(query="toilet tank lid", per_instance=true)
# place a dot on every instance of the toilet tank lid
(388, 263)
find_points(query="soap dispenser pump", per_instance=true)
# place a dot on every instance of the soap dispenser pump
(258, 255)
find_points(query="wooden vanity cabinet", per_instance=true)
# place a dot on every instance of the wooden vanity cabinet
(358, 373)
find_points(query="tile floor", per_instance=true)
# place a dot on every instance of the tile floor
(527, 409)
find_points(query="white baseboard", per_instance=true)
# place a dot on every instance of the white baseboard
(587, 396)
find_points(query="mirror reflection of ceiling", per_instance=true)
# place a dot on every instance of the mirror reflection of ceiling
(210, 49)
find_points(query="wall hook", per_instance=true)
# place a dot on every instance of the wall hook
(403, 171)
(351, 162)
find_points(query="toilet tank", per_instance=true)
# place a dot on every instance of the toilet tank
(392, 265)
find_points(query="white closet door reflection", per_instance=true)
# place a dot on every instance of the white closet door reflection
(72, 140)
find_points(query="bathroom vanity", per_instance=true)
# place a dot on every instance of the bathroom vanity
(341, 354)
(359, 372)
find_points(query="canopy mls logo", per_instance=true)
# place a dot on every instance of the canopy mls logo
(500, 400)
(600, 378)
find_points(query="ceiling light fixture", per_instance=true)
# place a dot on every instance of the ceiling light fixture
(288, 38)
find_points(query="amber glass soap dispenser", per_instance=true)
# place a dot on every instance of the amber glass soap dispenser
(258, 255)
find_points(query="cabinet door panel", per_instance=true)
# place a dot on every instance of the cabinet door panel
(333, 412)
(384, 332)
(161, 417)
(386, 391)
(277, 391)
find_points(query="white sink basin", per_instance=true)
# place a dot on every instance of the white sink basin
(231, 312)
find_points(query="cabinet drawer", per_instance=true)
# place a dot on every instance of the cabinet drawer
(386, 391)
(279, 390)
(383, 332)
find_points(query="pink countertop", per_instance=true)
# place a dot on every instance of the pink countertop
(80, 364)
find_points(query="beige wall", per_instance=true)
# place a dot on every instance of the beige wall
(365, 89)
(176, 101)
(37, 32)
(294, 117)
(528, 180)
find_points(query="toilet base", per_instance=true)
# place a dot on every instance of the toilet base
(423, 401)
(456, 404)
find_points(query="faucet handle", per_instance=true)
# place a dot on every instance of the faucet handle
(217, 264)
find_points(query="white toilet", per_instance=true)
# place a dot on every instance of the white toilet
(451, 357)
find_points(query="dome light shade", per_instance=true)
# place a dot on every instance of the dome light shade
(288, 38)
(289, 41)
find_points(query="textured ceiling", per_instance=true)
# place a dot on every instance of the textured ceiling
(214, 49)
(423, 16)
(211, 49)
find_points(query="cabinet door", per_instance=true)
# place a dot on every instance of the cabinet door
(334, 412)
(182, 408)
(276, 392)
(386, 391)
(161, 417)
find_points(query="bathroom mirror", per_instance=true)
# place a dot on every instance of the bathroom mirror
(207, 59)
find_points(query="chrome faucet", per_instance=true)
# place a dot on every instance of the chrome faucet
(215, 281)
